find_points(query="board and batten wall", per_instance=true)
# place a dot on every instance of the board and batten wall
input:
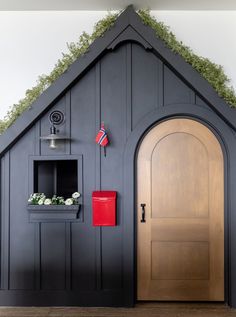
(76, 263)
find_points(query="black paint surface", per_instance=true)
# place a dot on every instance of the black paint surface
(131, 86)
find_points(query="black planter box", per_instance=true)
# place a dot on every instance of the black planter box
(53, 213)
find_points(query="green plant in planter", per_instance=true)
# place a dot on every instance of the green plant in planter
(57, 200)
(36, 199)
(41, 199)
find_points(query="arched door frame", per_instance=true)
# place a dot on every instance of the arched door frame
(227, 139)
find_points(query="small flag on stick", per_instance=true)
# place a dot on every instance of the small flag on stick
(102, 138)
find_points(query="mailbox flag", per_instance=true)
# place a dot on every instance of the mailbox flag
(102, 138)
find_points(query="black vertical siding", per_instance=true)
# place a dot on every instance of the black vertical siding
(76, 263)
(83, 111)
(202, 103)
(5, 220)
(45, 130)
(145, 82)
(21, 235)
(53, 255)
(113, 113)
(175, 90)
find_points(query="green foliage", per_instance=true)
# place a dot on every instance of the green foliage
(212, 72)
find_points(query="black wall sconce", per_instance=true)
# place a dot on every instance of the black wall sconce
(56, 118)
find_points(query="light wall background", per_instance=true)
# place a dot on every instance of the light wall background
(31, 42)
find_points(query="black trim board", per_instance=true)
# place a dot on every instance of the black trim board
(60, 298)
(145, 35)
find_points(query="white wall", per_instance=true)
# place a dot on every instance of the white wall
(30, 45)
(32, 42)
(209, 33)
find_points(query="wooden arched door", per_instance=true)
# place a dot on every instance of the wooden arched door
(180, 180)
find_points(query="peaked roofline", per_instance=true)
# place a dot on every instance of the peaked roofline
(143, 34)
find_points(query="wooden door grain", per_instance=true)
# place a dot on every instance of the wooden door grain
(180, 179)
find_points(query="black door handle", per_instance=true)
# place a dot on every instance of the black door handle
(143, 212)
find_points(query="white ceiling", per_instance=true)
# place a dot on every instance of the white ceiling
(104, 5)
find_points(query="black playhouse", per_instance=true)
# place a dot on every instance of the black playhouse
(118, 184)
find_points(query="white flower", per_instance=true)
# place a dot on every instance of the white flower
(47, 201)
(69, 201)
(41, 201)
(76, 195)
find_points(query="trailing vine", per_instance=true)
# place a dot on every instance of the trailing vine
(212, 72)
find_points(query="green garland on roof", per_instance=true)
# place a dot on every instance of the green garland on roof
(213, 73)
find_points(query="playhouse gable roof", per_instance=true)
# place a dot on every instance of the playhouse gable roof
(128, 27)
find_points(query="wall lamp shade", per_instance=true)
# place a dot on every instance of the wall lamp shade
(53, 137)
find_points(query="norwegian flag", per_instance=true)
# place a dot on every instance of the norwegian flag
(102, 138)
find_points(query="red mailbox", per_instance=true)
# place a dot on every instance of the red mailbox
(104, 208)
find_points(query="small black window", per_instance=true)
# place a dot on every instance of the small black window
(59, 177)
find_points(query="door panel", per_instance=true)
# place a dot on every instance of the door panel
(190, 259)
(179, 185)
(181, 244)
